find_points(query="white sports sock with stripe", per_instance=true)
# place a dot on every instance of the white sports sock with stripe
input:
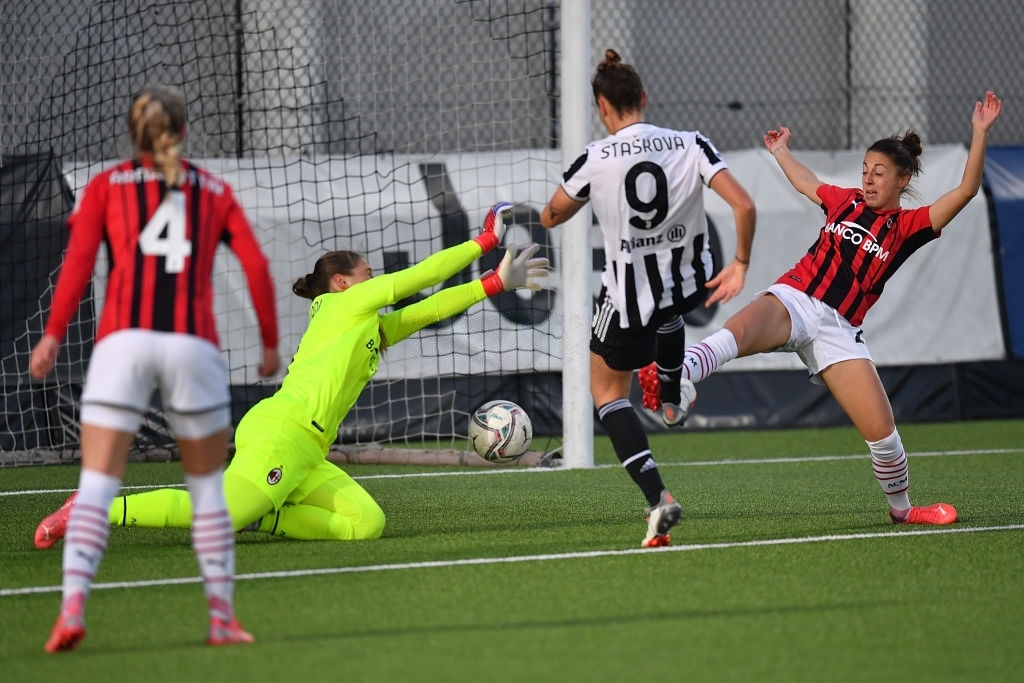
(213, 540)
(85, 542)
(889, 460)
(705, 357)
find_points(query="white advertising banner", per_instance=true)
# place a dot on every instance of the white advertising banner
(941, 307)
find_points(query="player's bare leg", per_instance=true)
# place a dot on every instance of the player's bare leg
(858, 390)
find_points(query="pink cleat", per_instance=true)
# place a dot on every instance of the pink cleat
(67, 633)
(227, 632)
(54, 526)
(939, 513)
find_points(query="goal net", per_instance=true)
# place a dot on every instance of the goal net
(387, 127)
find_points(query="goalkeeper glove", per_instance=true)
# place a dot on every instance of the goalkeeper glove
(515, 271)
(494, 226)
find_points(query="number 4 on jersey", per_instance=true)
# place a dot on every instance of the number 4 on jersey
(164, 234)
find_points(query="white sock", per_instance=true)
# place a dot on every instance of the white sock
(85, 542)
(703, 358)
(213, 540)
(889, 461)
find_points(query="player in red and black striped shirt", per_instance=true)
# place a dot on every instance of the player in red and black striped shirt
(161, 242)
(161, 219)
(815, 309)
(857, 251)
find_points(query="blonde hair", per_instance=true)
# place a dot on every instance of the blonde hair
(156, 123)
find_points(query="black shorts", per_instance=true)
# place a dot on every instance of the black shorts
(631, 348)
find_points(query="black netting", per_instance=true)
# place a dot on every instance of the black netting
(357, 78)
(839, 73)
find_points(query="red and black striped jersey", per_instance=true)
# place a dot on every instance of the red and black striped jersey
(161, 245)
(857, 251)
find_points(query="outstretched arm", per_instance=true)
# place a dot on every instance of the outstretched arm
(801, 177)
(438, 267)
(950, 204)
(449, 302)
(514, 272)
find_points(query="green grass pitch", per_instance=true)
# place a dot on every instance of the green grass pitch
(786, 568)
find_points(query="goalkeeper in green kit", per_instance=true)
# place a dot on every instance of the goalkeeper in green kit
(280, 480)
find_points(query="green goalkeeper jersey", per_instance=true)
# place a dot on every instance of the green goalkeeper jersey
(340, 350)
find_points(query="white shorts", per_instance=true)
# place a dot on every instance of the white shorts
(820, 336)
(188, 371)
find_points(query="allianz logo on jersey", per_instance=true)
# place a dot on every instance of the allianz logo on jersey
(673, 235)
(859, 236)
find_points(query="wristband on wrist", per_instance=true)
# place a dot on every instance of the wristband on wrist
(487, 241)
(492, 284)
(742, 262)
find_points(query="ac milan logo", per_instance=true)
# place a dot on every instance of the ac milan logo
(274, 476)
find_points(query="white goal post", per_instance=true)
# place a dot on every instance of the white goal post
(577, 406)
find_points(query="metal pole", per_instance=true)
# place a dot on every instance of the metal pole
(577, 407)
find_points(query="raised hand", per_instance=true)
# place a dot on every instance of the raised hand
(775, 140)
(986, 113)
(517, 271)
(494, 226)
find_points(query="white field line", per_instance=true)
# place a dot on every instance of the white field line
(327, 571)
(524, 470)
(8, 592)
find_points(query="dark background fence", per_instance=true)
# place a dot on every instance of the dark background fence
(351, 77)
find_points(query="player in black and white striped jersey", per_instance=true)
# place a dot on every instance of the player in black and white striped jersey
(646, 186)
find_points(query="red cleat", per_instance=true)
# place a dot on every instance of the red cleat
(658, 541)
(647, 377)
(227, 633)
(939, 513)
(660, 519)
(67, 633)
(54, 526)
(672, 414)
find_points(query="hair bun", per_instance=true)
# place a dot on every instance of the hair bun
(912, 143)
(611, 58)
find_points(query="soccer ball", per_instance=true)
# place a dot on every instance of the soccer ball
(500, 431)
